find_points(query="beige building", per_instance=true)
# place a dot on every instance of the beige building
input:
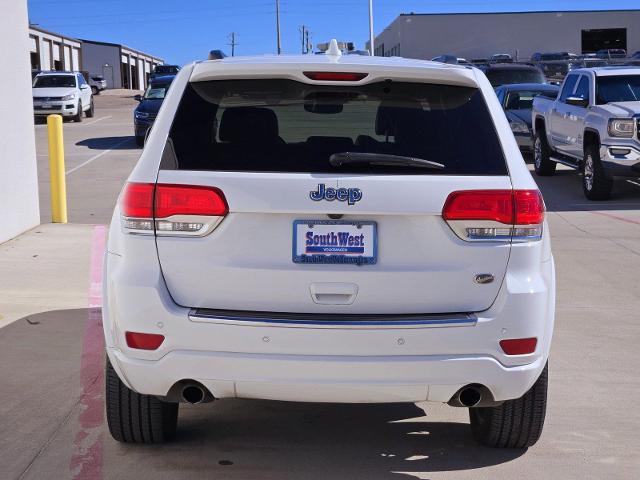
(52, 51)
(119, 65)
(480, 35)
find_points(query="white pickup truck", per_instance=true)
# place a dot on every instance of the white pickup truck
(591, 126)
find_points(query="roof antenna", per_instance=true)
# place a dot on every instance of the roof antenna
(333, 49)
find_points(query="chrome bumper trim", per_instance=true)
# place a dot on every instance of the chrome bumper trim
(235, 317)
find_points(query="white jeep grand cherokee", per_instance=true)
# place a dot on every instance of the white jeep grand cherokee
(329, 229)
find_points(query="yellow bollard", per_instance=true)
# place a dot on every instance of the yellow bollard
(56, 170)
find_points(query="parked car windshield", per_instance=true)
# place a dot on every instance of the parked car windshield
(618, 88)
(505, 76)
(156, 91)
(283, 125)
(47, 81)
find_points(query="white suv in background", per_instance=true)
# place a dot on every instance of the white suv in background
(64, 93)
(329, 228)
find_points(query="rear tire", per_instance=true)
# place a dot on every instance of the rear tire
(95, 91)
(595, 184)
(136, 418)
(542, 163)
(78, 116)
(516, 423)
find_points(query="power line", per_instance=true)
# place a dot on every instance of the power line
(233, 43)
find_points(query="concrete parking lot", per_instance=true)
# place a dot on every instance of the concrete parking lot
(99, 154)
(51, 401)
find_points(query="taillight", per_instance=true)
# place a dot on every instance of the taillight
(495, 215)
(189, 200)
(144, 341)
(172, 209)
(137, 200)
(335, 76)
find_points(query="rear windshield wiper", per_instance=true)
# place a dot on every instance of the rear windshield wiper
(345, 158)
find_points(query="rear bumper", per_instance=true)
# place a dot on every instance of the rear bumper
(323, 378)
(334, 363)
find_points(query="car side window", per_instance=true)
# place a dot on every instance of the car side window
(81, 80)
(583, 88)
(567, 89)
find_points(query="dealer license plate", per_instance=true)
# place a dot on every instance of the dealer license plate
(334, 241)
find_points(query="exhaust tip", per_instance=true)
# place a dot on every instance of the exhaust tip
(469, 397)
(193, 394)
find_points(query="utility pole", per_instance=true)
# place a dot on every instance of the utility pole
(371, 46)
(278, 25)
(233, 43)
(304, 38)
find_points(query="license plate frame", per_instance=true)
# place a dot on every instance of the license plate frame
(369, 254)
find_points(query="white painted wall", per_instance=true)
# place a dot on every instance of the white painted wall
(18, 174)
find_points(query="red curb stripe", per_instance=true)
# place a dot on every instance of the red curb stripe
(86, 462)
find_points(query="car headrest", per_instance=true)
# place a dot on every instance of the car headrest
(391, 113)
(240, 124)
(385, 120)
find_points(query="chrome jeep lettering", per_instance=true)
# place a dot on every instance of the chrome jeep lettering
(349, 195)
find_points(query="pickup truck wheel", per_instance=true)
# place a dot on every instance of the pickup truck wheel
(542, 163)
(136, 418)
(595, 184)
(516, 423)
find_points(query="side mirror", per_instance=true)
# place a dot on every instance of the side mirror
(577, 101)
(84, 86)
(137, 97)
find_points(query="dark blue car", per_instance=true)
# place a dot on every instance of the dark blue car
(517, 101)
(145, 113)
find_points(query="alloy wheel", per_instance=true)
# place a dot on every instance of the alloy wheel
(588, 172)
(537, 153)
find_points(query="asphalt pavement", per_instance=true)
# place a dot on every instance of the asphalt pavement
(51, 403)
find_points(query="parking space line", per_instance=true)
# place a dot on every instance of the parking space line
(96, 120)
(95, 157)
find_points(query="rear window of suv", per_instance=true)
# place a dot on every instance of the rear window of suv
(288, 126)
